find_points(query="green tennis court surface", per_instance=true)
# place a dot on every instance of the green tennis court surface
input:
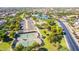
(27, 36)
(27, 39)
(26, 43)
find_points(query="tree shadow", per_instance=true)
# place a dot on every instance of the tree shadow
(42, 49)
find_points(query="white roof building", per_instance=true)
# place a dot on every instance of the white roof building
(76, 24)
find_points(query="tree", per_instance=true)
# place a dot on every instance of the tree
(57, 38)
(42, 49)
(39, 26)
(34, 18)
(56, 35)
(54, 29)
(35, 44)
(51, 22)
(45, 31)
(19, 47)
(49, 28)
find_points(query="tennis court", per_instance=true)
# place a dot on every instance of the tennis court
(27, 39)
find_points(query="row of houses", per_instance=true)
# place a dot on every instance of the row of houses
(76, 28)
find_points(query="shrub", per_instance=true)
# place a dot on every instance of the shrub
(19, 47)
(42, 49)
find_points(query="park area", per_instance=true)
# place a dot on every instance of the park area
(52, 35)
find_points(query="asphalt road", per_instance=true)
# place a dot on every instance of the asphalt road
(72, 44)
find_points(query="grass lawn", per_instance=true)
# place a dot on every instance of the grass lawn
(52, 46)
(64, 46)
(49, 46)
(63, 43)
(42, 32)
(4, 46)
